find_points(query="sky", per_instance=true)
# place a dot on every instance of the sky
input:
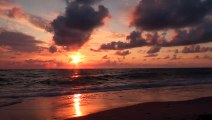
(67, 34)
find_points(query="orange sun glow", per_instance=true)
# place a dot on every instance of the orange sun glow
(76, 58)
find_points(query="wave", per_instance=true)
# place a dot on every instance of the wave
(34, 83)
(8, 102)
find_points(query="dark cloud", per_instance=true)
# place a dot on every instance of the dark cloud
(19, 42)
(207, 57)
(134, 40)
(154, 49)
(196, 49)
(152, 16)
(89, 2)
(123, 53)
(74, 28)
(35, 61)
(105, 57)
(151, 55)
(113, 63)
(162, 14)
(52, 49)
(95, 50)
(201, 33)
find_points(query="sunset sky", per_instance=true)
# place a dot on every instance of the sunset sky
(36, 34)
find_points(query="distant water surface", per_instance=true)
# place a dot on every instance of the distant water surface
(35, 83)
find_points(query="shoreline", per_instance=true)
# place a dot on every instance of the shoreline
(196, 109)
(70, 106)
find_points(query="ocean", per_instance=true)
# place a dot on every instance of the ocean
(37, 83)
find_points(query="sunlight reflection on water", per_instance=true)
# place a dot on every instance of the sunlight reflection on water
(76, 74)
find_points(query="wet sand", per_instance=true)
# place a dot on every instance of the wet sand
(198, 109)
(146, 104)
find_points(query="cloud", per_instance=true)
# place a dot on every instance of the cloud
(34, 61)
(162, 14)
(134, 40)
(89, 2)
(197, 57)
(75, 27)
(151, 17)
(123, 53)
(41, 64)
(196, 35)
(118, 35)
(176, 51)
(105, 57)
(151, 55)
(4, 4)
(174, 57)
(95, 50)
(167, 57)
(196, 49)
(201, 33)
(52, 49)
(154, 49)
(33, 64)
(19, 42)
(13, 11)
(39, 22)
(207, 57)
(112, 63)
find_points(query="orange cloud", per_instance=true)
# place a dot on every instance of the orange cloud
(13, 11)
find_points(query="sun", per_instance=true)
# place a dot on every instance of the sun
(76, 58)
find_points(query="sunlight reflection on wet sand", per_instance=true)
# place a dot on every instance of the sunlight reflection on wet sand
(84, 104)
(76, 105)
(76, 100)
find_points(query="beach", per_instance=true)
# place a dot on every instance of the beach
(198, 109)
(174, 103)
